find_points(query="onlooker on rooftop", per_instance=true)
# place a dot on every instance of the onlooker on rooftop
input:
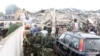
(75, 25)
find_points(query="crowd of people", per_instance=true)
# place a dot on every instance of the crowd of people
(39, 41)
(76, 26)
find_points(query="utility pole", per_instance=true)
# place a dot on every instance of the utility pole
(53, 19)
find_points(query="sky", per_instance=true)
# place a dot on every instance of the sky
(35, 5)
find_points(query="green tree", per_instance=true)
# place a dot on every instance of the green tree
(12, 28)
(11, 9)
(1, 14)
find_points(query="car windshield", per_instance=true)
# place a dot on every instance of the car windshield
(62, 36)
(92, 45)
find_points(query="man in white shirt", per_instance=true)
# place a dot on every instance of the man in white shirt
(28, 21)
(22, 16)
(75, 25)
(44, 31)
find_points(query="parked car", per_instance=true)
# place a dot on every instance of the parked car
(77, 44)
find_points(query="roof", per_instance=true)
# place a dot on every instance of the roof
(83, 35)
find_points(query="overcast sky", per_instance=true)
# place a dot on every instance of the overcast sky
(35, 5)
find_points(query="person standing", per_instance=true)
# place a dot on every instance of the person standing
(57, 31)
(44, 31)
(22, 15)
(35, 29)
(48, 46)
(98, 29)
(37, 43)
(49, 29)
(75, 25)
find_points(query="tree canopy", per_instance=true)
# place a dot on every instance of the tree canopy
(1, 14)
(10, 9)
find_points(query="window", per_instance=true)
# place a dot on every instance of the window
(75, 42)
(71, 41)
(62, 37)
(67, 39)
(92, 45)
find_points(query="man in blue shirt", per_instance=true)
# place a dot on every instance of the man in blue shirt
(35, 29)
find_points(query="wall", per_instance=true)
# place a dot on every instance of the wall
(13, 44)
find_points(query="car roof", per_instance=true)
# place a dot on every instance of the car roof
(82, 35)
